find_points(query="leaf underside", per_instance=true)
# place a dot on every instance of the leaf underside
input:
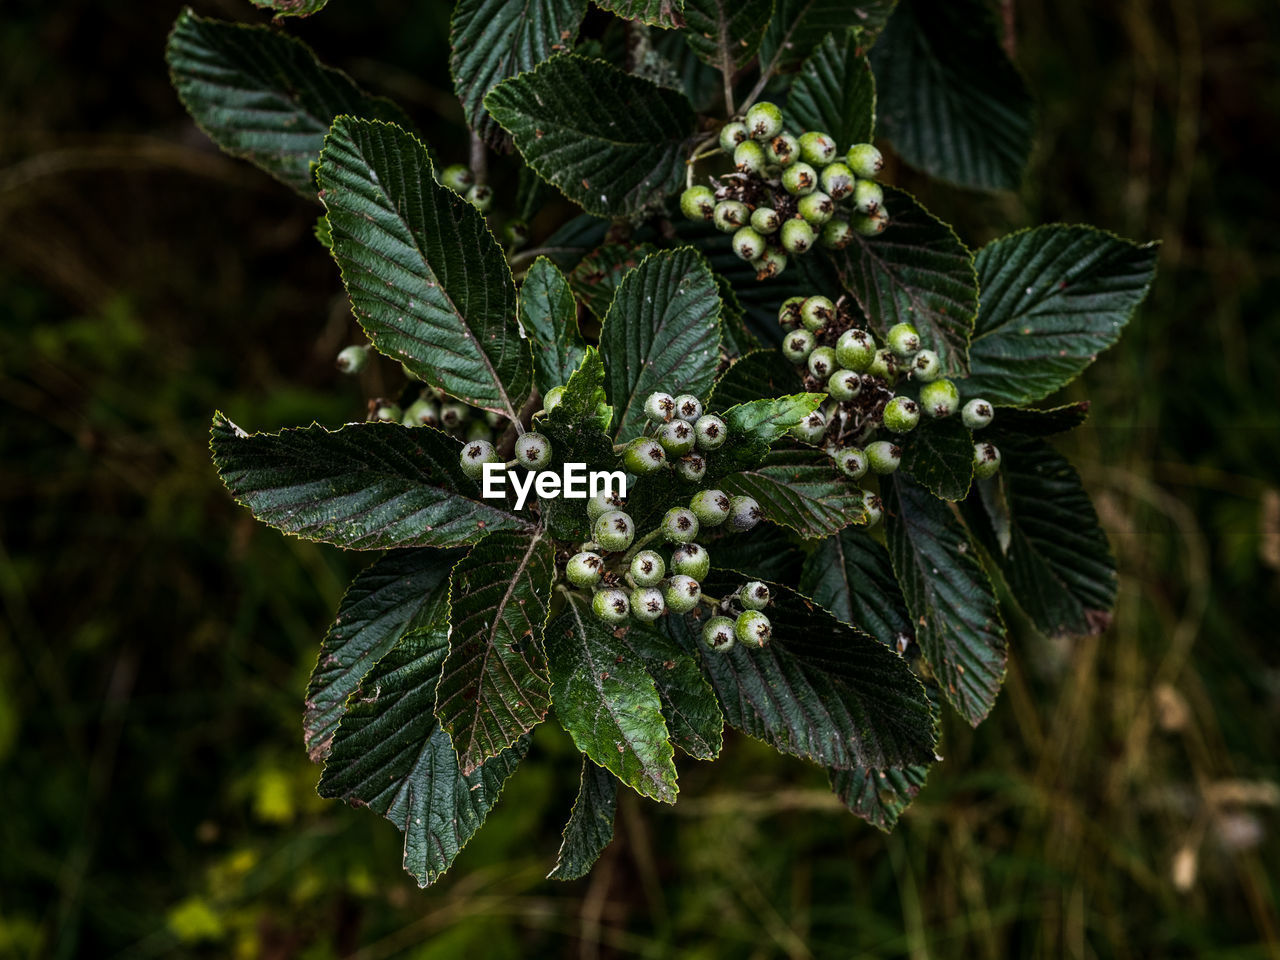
(590, 826)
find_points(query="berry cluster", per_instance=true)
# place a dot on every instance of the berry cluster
(861, 377)
(788, 193)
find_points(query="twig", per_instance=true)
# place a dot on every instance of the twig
(479, 158)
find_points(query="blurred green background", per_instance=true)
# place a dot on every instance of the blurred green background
(1123, 800)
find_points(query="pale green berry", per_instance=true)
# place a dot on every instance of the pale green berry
(873, 506)
(602, 503)
(868, 196)
(977, 414)
(711, 507)
(452, 415)
(870, 225)
(864, 160)
(515, 233)
(817, 312)
(789, 313)
(533, 451)
(765, 220)
(926, 367)
(457, 177)
(647, 568)
(755, 595)
(390, 412)
(799, 179)
(729, 215)
(855, 349)
(752, 628)
(940, 398)
(423, 412)
(698, 203)
(680, 525)
(643, 456)
(611, 605)
(480, 196)
(682, 593)
(816, 208)
(811, 427)
(817, 148)
(659, 407)
(749, 157)
(584, 569)
(409, 374)
(901, 414)
(718, 634)
(844, 385)
(552, 399)
(884, 365)
(692, 467)
(677, 438)
(688, 407)
(744, 513)
(822, 363)
(986, 460)
(836, 234)
(837, 180)
(797, 346)
(852, 462)
(771, 263)
(903, 340)
(691, 560)
(764, 120)
(475, 455)
(883, 456)
(748, 244)
(352, 359)
(614, 531)
(711, 432)
(732, 134)
(647, 604)
(798, 236)
(783, 150)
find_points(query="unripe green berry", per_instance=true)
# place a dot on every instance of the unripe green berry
(643, 456)
(837, 180)
(940, 398)
(817, 312)
(749, 157)
(691, 560)
(837, 234)
(771, 263)
(873, 506)
(584, 569)
(797, 236)
(844, 385)
(422, 412)
(764, 120)
(452, 415)
(533, 451)
(883, 456)
(718, 634)
(822, 363)
(457, 177)
(614, 531)
(659, 407)
(744, 513)
(729, 215)
(612, 605)
(867, 196)
(798, 345)
(602, 503)
(732, 134)
(789, 313)
(475, 455)
(749, 245)
(515, 233)
(816, 208)
(926, 367)
(885, 365)
(752, 629)
(855, 349)
(680, 525)
(710, 431)
(765, 220)
(903, 340)
(901, 414)
(688, 407)
(852, 462)
(682, 593)
(480, 196)
(755, 595)
(812, 428)
(977, 414)
(352, 359)
(986, 460)
(692, 467)
(647, 604)
(647, 568)
(552, 399)
(783, 150)
(677, 438)
(409, 374)
(711, 507)
(865, 161)
(870, 225)
(799, 179)
(389, 412)
(698, 203)
(817, 148)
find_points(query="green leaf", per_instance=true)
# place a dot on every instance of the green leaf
(365, 486)
(819, 689)
(262, 96)
(769, 553)
(938, 455)
(574, 240)
(291, 8)
(799, 487)
(760, 372)
(494, 686)
(755, 425)
(688, 703)
(850, 574)
(608, 703)
(662, 332)
(800, 25)
(1053, 298)
(493, 40)
(615, 151)
(835, 91)
(400, 591)
(916, 272)
(725, 34)
(1057, 564)
(596, 277)
(951, 600)
(590, 826)
(390, 754)
(1037, 423)
(549, 316)
(427, 280)
(878, 796)
(583, 391)
(655, 13)
(735, 338)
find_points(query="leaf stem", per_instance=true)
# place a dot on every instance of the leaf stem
(479, 158)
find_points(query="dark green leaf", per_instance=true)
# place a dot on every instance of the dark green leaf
(701, 84)
(590, 826)
(608, 703)
(768, 553)
(494, 686)
(261, 95)
(1037, 423)
(735, 338)
(390, 754)
(759, 373)
(755, 425)
(365, 486)
(850, 574)
(835, 92)
(725, 34)
(938, 455)
(916, 272)
(427, 280)
(596, 277)
(614, 151)
(799, 487)
(655, 13)
(661, 333)
(1053, 298)
(878, 796)
(291, 8)
(952, 103)
(574, 240)
(688, 702)
(583, 391)
(549, 316)
(401, 591)
(493, 40)
(800, 25)
(951, 600)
